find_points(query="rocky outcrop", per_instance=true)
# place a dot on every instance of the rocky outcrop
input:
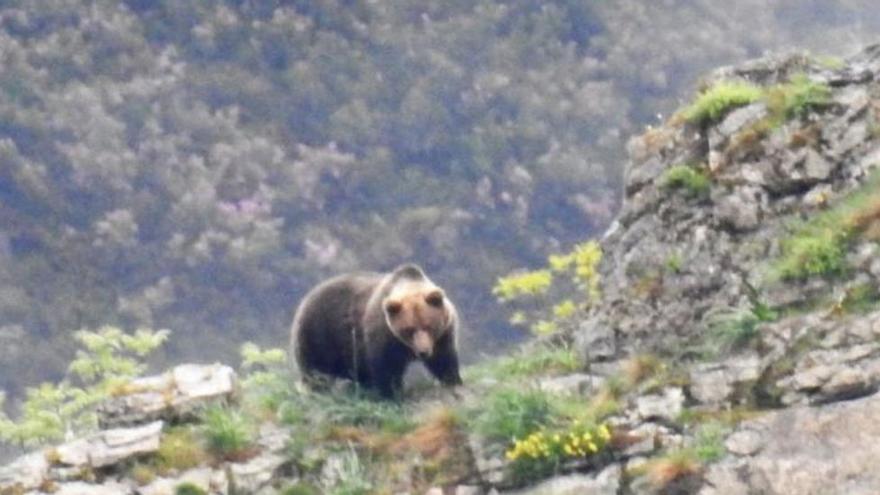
(171, 396)
(673, 261)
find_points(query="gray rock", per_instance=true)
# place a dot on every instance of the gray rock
(647, 439)
(80, 488)
(250, 476)
(574, 384)
(213, 482)
(110, 446)
(724, 479)
(595, 341)
(809, 451)
(173, 395)
(489, 463)
(741, 210)
(716, 383)
(25, 473)
(666, 406)
(738, 119)
(607, 482)
(744, 442)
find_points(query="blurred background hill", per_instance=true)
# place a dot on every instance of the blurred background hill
(198, 165)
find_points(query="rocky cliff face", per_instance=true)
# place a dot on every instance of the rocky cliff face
(736, 348)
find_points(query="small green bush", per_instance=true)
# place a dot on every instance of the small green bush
(686, 178)
(737, 328)
(720, 99)
(796, 97)
(189, 489)
(513, 413)
(813, 252)
(179, 450)
(301, 488)
(708, 443)
(228, 433)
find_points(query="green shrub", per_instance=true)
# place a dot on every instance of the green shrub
(720, 99)
(686, 178)
(301, 488)
(228, 433)
(189, 489)
(179, 450)
(265, 377)
(816, 251)
(818, 247)
(860, 298)
(513, 413)
(736, 329)
(796, 97)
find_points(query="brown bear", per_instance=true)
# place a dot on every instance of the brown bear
(370, 326)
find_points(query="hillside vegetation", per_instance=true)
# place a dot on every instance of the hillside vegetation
(197, 165)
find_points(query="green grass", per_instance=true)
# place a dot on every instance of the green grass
(228, 433)
(796, 97)
(736, 329)
(179, 450)
(715, 102)
(189, 489)
(686, 178)
(708, 443)
(818, 247)
(679, 463)
(860, 299)
(513, 413)
(301, 488)
(537, 360)
(817, 250)
(784, 101)
(351, 476)
(358, 409)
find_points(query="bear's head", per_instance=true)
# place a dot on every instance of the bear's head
(418, 314)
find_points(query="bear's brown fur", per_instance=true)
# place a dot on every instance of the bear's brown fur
(369, 327)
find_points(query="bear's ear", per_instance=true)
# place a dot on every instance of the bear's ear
(393, 307)
(435, 298)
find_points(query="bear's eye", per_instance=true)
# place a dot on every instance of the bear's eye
(435, 299)
(407, 332)
(393, 307)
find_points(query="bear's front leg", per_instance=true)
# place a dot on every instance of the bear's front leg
(387, 374)
(443, 364)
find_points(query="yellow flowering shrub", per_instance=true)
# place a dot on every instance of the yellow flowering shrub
(543, 451)
(542, 298)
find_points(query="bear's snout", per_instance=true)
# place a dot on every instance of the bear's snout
(423, 344)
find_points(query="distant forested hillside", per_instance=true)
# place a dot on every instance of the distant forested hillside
(197, 165)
